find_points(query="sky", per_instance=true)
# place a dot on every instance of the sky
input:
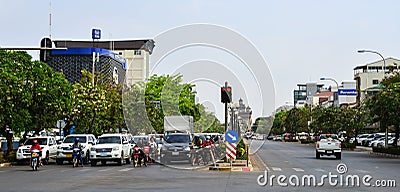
(300, 41)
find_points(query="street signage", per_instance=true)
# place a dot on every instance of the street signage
(231, 136)
(96, 33)
(231, 151)
(347, 92)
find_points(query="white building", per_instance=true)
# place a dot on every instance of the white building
(369, 76)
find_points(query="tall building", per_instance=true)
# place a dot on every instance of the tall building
(369, 76)
(305, 93)
(136, 52)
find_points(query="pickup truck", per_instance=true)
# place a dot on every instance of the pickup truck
(328, 144)
(47, 143)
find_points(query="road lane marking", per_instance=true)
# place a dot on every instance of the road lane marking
(320, 170)
(126, 169)
(276, 169)
(263, 163)
(362, 171)
(298, 169)
(103, 170)
(84, 169)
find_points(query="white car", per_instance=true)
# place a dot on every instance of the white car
(111, 147)
(328, 144)
(47, 143)
(64, 150)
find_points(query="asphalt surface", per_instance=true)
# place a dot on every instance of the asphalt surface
(277, 158)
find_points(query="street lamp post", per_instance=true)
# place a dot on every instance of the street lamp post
(375, 52)
(384, 68)
(337, 86)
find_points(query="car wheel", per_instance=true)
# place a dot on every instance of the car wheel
(46, 159)
(119, 162)
(86, 159)
(128, 160)
(93, 163)
(318, 155)
(59, 161)
(338, 155)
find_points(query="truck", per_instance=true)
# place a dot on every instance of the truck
(328, 144)
(178, 132)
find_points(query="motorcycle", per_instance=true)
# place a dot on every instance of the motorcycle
(146, 150)
(208, 154)
(76, 157)
(138, 156)
(195, 157)
(35, 155)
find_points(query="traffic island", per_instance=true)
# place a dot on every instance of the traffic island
(237, 166)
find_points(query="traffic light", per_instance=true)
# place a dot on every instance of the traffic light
(226, 94)
(45, 53)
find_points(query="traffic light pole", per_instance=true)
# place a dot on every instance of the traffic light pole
(226, 110)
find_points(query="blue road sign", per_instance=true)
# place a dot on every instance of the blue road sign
(96, 33)
(231, 136)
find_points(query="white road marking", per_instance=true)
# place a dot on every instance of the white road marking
(362, 171)
(298, 169)
(320, 170)
(276, 169)
(102, 170)
(263, 163)
(126, 169)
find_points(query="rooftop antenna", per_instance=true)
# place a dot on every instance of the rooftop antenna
(50, 21)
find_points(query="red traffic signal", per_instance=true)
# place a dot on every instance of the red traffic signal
(226, 94)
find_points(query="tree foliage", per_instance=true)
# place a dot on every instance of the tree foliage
(33, 96)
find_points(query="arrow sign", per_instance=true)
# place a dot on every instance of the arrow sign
(231, 136)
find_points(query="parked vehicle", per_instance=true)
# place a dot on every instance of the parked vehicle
(360, 138)
(328, 144)
(111, 147)
(375, 142)
(64, 150)
(35, 163)
(47, 143)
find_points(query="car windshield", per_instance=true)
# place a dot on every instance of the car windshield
(136, 139)
(332, 136)
(41, 141)
(113, 139)
(71, 139)
(177, 139)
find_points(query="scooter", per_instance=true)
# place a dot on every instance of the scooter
(195, 156)
(146, 150)
(76, 157)
(35, 162)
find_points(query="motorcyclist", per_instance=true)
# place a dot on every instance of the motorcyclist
(36, 146)
(79, 146)
(197, 141)
(207, 142)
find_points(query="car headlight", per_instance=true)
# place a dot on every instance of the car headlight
(187, 148)
(116, 148)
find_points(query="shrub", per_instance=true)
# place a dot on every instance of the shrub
(307, 141)
(389, 150)
(241, 153)
(347, 145)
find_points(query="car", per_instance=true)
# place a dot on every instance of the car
(111, 147)
(328, 144)
(360, 138)
(64, 150)
(176, 147)
(47, 143)
(375, 142)
(278, 138)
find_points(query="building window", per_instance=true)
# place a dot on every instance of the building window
(375, 81)
(137, 52)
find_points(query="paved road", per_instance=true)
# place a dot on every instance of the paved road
(280, 158)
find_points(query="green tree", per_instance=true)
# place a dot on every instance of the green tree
(278, 126)
(33, 96)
